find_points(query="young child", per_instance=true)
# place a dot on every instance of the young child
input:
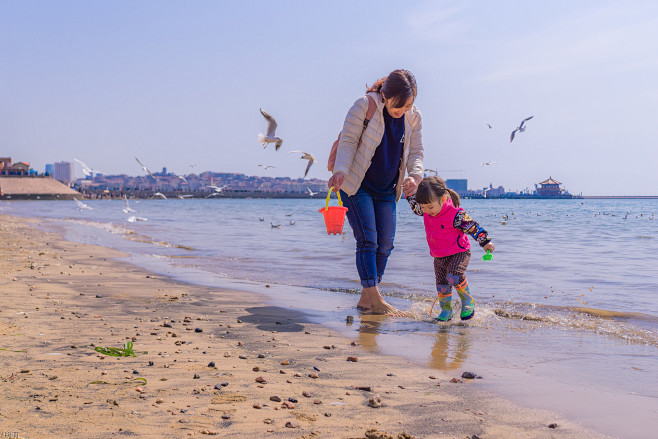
(446, 225)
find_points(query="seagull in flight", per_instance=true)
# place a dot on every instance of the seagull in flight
(127, 208)
(487, 163)
(159, 195)
(431, 170)
(86, 170)
(305, 156)
(490, 126)
(271, 128)
(310, 192)
(520, 128)
(81, 205)
(217, 189)
(266, 167)
(144, 167)
(182, 178)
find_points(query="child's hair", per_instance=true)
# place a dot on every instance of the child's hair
(399, 85)
(433, 188)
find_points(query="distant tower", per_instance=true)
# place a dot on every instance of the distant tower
(63, 172)
(550, 188)
(50, 169)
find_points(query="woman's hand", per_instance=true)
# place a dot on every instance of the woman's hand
(489, 246)
(337, 181)
(409, 186)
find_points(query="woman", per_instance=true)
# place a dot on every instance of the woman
(371, 161)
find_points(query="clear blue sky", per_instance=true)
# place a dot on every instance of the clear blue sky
(178, 83)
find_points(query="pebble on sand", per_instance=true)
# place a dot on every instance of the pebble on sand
(470, 375)
(352, 359)
(375, 401)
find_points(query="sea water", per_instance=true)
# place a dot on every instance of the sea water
(567, 306)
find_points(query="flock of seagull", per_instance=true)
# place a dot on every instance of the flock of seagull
(271, 137)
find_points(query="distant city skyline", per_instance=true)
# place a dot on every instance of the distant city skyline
(181, 84)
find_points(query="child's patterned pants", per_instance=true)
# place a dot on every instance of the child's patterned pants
(449, 270)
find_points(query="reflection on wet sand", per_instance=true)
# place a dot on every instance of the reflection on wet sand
(449, 350)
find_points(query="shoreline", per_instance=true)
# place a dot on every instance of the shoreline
(61, 297)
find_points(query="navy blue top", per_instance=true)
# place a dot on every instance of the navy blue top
(382, 175)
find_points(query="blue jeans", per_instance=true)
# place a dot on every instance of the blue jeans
(372, 218)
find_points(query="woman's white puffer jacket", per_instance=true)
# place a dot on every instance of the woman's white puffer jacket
(354, 160)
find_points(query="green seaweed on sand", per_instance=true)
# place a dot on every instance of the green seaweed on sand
(10, 350)
(126, 351)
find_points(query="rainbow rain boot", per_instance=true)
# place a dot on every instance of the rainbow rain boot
(468, 304)
(445, 300)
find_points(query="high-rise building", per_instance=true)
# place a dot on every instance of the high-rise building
(459, 185)
(63, 172)
(50, 169)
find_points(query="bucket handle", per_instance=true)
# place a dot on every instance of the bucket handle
(340, 202)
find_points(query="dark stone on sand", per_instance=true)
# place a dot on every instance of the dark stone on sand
(289, 424)
(135, 372)
(166, 325)
(98, 296)
(224, 384)
(316, 368)
(293, 400)
(196, 376)
(261, 355)
(553, 425)
(151, 363)
(218, 387)
(211, 364)
(364, 388)
(470, 375)
(275, 398)
(198, 330)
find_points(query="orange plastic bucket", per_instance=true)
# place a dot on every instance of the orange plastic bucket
(334, 216)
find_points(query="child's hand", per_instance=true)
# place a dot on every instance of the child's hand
(489, 246)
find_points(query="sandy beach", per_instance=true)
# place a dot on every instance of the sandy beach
(225, 364)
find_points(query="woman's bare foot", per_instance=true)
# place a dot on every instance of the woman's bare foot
(377, 304)
(364, 301)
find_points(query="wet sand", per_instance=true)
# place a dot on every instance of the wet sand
(275, 373)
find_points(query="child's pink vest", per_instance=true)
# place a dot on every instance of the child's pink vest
(442, 236)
